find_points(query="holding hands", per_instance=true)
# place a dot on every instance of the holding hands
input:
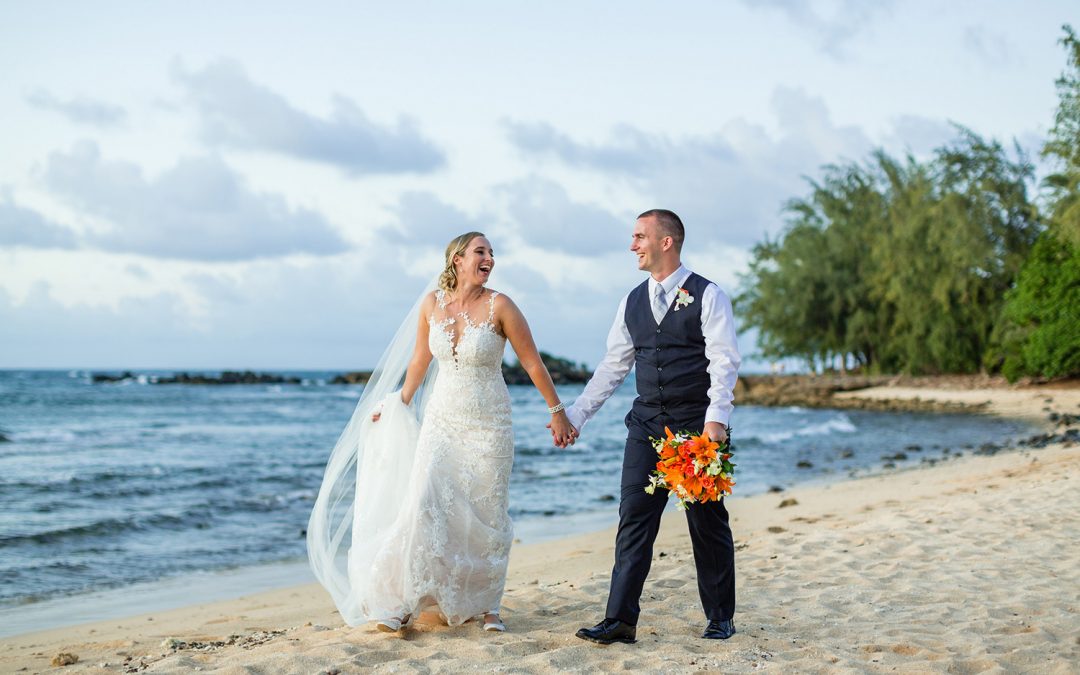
(563, 432)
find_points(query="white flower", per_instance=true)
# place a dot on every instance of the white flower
(682, 299)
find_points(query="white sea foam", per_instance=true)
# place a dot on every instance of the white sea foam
(840, 424)
(43, 435)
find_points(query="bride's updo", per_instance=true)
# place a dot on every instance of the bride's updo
(448, 279)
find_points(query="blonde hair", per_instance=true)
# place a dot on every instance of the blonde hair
(448, 278)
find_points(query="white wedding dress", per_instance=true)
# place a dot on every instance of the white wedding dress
(449, 543)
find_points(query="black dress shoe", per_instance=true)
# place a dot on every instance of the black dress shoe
(719, 630)
(608, 631)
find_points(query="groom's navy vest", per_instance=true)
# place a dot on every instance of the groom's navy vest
(672, 369)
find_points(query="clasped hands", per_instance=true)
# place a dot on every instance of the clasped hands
(563, 433)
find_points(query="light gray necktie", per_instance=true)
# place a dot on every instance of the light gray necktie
(659, 306)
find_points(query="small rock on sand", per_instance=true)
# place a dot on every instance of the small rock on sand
(64, 659)
(791, 501)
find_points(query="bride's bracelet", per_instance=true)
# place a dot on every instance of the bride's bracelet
(556, 408)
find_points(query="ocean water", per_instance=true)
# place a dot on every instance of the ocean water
(109, 485)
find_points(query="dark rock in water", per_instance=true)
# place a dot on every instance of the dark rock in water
(355, 377)
(99, 378)
(562, 371)
(899, 457)
(913, 448)
(888, 465)
(1067, 420)
(606, 498)
(4, 439)
(788, 502)
(803, 464)
(228, 377)
(988, 449)
(775, 488)
(847, 453)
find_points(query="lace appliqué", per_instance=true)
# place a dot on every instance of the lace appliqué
(452, 544)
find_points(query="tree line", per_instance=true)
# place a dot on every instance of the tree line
(956, 263)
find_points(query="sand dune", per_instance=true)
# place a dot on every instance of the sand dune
(964, 567)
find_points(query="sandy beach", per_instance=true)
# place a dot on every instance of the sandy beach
(966, 566)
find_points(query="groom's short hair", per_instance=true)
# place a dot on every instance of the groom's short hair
(669, 223)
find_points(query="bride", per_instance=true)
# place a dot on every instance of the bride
(413, 516)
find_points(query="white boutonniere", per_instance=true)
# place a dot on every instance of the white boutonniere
(683, 299)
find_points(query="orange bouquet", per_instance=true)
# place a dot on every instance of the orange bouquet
(693, 468)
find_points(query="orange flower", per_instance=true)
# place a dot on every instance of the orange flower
(724, 484)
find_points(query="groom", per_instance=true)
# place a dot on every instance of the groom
(677, 329)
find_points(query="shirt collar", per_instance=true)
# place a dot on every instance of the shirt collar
(673, 281)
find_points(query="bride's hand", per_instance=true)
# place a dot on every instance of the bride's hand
(375, 416)
(563, 433)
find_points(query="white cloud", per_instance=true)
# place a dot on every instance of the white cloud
(81, 109)
(239, 113)
(426, 221)
(729, 186)
(994, 49)
(833, 23)
(546, 217)
(22, 227)
(199, 209)
(919, 135)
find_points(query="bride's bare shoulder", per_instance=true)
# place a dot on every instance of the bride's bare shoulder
(504, 308)
(429, 301)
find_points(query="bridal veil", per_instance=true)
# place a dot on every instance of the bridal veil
(367, 474)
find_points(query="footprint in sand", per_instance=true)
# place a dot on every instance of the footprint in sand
(670, 583)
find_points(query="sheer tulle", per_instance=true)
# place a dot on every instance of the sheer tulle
(330, 531)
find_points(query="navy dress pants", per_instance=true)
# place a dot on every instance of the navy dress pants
(639, 522)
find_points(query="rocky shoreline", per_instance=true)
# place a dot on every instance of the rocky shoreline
(809, 391)
(819, 391)
(226, 377)
(562, 372)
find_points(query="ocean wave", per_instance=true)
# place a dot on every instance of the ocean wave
(840, 424)
(108, 526)
(44, 436)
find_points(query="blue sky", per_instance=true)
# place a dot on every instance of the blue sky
(194, 185)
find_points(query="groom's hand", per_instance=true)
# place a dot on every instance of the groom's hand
(565, 439)
(716, 431)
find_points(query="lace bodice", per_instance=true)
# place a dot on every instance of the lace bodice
(463, 345)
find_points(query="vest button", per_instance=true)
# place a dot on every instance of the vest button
(657, 349)
(661, 389)
(659, 368)
(657, 331)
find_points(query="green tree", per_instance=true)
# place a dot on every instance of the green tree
(1063, 148)
(895, 265)
(1039, 332)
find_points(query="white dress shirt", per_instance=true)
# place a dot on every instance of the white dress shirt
(721, 349)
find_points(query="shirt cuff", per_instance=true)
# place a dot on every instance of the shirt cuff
(576, 417)
(716, 416)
